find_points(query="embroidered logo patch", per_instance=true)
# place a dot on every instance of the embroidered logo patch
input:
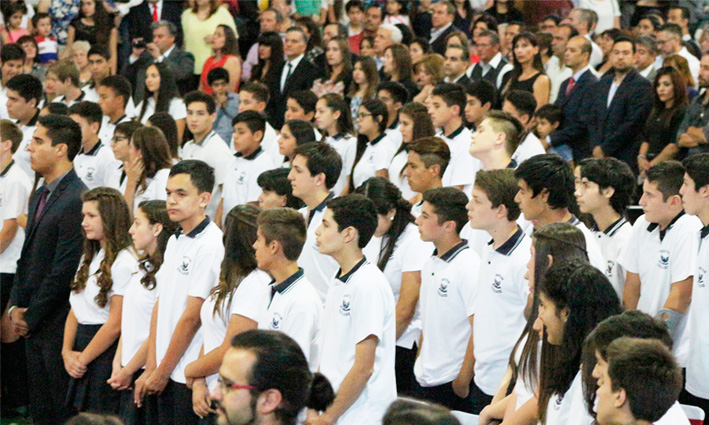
(345, 306)
(497, 284)
(664, 261)
(276, 321)
(443, 288)
(185, 264)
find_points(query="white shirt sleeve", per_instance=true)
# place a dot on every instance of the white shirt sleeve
(684, 260)
(14, 200)
(178, 110)
(121, 271)
(369, 314)
(628, 256)
(205, 274)
(385, 154)
(414, 254)
(467, 287)
(251, 297)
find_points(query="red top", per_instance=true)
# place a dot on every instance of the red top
(209, 65)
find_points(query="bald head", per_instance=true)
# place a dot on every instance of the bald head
(578, 53)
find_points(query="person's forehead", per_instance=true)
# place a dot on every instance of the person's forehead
(97, 58)
(623, 45)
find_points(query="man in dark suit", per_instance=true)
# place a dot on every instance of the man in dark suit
(39, 301)
(574, 98)
(154, 11)
(297, 74)
(442, 18)
(620, 108)
(455, 65)
(161, 49)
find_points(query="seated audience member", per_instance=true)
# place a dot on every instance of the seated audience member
(227, 103)
(645, 54)
(293, 134)
(415, 124)
(114, 99)
(690, 136)
(521, 105)
(493, 67)
(394, 96)
(338, 69)
(547, 119)
(457, 60)
(95, 162)
(427, 162)
(225, 49)
(332, 117)
(161, 95)
(276, 191)
(62, 79)
(301, 106)
(495, 140)
(442, 18)
(429, 73)
(605, 191)
(23, 93)
(270, 22)
(269, 46)
(528, 73)
(660, 259)
(375, 155)
(12, 58)
(481, 97)
(255, 97)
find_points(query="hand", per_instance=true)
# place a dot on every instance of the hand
(72, 364)
(134, 170)
(119, 380)
(139, 388)
(485, 418)
(221, 100)
(686, 141)
(208, 38)
(137, 51)
(320, 420)
(697, 133)
(201, 401)
(154, 50)
(460, 388)
(18, 321)
(156, 383)
(598, 152)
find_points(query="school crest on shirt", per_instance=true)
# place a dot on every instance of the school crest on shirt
(497, 284)
(242, 178)
(609, 268)
(276, 321)
(90, 171)
(443, 288)
(558, 401)
(700, 278)
(345, 306)
(371, 158)
(185, 265)
(664, 260)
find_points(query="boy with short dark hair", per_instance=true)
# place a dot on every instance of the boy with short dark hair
(301, 106)
(100, 61)
(114, 97)
(521, 105)
(95, 162)
(227, 103)
(481, 97)
(394, 95)
(548, 118)
(427, 162)
(255, 97)
(276, 191)
(22, 96)
(192, 263)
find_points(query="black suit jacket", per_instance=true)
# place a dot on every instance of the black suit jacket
(301, 78)
(181, 64)
(575, 108)
(618, 129)
(439, 45)
(140, 17)
(50, 255)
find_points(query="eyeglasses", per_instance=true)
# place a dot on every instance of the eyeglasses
(363, 116)
(119, 139)
(223, 385)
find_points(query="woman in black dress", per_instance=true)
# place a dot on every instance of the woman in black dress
(528, 73)
(95, 25)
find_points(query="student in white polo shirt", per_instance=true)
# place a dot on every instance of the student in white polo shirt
(23, 95)
(660, 259)
(113, 98)
(495, 140)
(314, 173)
(249, 161)
(120, 145)
(334, 118)
(358, 345)
(62, 79)
(380, 149)
(521, 105)
(449, 287)
(254, 97)
(546, 195)
(95, 162)
(394, 95)
(695, 198)
(447, 108)
(276, 191)
(206, 146)
(605, 191)
(427, 162)
(294, 307)
(503, 290)
(191, 268)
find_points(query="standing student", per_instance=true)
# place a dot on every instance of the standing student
(400, 253)
(162, 95)
(359, 321)
(254, 97)
(694, 193)
(191, 267)
(293, 134)
(120, 145)
(234, 305)
(115, 101)
(206, 144)
(94, 322)
(276, 191)
(314, 172)
(333, 118)
(502, 286)
(375, 149)
(394, 95)
(521, 105)
(226, 101)
(444, 367)
(427, 162)
(294, 306)
(150, 232)
(495, 140)
(23, 94)
(95, 162)
(149, 167)
(481, 96)
(605, 190)
(660, 259)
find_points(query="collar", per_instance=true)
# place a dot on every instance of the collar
(574, 221)
(395, 123)
(610, 231)
(654, 226)
(645, 72)
(494, 61)
(93, 150)
(281, 287)
(578, 75)
(253, 155)
(32, 122)
(511, 243)
(201, 142)
(118, 121)
(196, 231)
(7, 169)
(455, 134)
(55, 183)
(320, 207)
(512, 165)
(378, 139)
(336, 137)
(344, 278)
(453, 252)
(704, 232)
(168, 51)
(435, 33)
(295, 62)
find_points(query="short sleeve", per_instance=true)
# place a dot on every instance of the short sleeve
(415, 252)
(251, 297)
(205, 274)
(684, 260)
(121, 272)
(383, 157)
(348, 158)
(178, 109)
(14, 200)
(628, 256)
(368, 318)
(468, 290)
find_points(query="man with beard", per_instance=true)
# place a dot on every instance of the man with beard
(620, 108)
(691, 134)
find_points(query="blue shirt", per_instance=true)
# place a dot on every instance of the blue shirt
(222, 126)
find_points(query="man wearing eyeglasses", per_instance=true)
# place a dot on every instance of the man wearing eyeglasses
(493, 67)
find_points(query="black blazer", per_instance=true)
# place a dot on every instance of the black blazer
(301, 78)
(575, 108)
(618, 129)
(181, 64)
(140, 17)
(439, 46)
(50, 255)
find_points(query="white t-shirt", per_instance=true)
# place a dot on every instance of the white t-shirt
(698, 362)
(191, 268)
(240, 182)
(319, 268)
(529, 147)
(249, 300)
(83, 304)
(215, 152)
(462, 166)
(377, 156)
(95, 167)
(295, 309)
(612, 241)
(397, 165)
(155, 189)
(447, 300)
(138, 303)
(674, 416)
(15, 187)
(499, 310)
(346, 146)
(360, 304)
(177, 109)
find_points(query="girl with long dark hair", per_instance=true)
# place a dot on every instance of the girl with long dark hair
(396, 65)
(528, 72)
(270, 59)
(162, 95)
(374, 149)
(332, 117)
(225, 46)
(234, 306)
(96, 26)
(167, 125)
(338, 69)
(365, 79)
(94, 321)
(293, 134)
(149, 167)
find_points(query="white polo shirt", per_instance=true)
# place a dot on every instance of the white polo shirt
(154, 189)
(612, 241)
(462, 167)
(248, 300)
(215, 152)
(674, 416)
(499, 310)
(568, 408)
(269, 144)
(319, 268)
(295, 309)
(377, 156)
(360, 304)
(660, 259)
(240, 182)
(176, 109)
(138, 303)
(191, 269)
(395, 174)
(595, 256)
(698, 362)
(529, 147)
(105, 134)
(346, 146)
(15, 187)
(95, 167)
(447, 300)
(83, 304)
(22, 155)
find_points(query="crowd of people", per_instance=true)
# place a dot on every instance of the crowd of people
(354, 212)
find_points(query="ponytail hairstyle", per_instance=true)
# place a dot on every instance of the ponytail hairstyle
(115, 219)
(386, 197)
(337, 104)
(155, 152)
(156, 213)
(239, 255)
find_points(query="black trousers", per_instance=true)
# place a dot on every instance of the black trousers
(13, 363)
(175, 405)
(130, 413)
(404, 368)
(443, 394)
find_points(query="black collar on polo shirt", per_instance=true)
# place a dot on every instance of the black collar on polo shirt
(394, 124)
(201, 142)
(704, 232)
(337, 137)
(378, 139)
(196, 231)
(344, 278)
(320, 207)
(93, 150)
(7, 168)
(511, 243)
(118, 120)
(512, 165)
(31, 122)
(574, 221)
(281, 287)
(653, 226)
(610, 231)
(455, 134)
(253, 155)
(453, 252)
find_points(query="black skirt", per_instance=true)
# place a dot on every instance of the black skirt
(91, 392)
